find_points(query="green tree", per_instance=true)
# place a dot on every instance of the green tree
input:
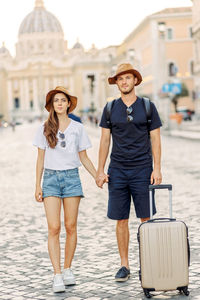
(184, 93)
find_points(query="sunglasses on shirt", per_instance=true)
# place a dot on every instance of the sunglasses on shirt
(129, 110)
(62, 137)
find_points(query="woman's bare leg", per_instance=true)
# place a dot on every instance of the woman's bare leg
(52, 208)
(71, 206)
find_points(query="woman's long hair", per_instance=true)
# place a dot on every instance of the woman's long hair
(51, 125)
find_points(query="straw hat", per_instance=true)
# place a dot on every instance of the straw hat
(123, 69)
(60, 89)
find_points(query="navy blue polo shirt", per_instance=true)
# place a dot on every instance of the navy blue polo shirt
(131, 144)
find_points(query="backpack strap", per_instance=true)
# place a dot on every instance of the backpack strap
(148, 110)
(147, 107)
(109, 107)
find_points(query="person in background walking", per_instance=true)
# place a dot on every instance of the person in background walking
(62, 144)
(130, 171)
(13, 124)
(75, 117)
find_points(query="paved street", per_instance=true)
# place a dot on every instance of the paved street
(25, 269)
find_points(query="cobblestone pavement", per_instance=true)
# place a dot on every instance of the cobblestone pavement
(25, 269)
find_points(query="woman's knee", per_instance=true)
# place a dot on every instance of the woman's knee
(70, 228)
(54, 229)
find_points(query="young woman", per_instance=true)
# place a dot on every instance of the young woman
(62, 144)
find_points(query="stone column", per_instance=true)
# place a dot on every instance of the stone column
(55, 82)
(35, 95)
(10, 99)
(26, 95)
(155, 66)
(46, 86)
(21, 95)
(65, 82)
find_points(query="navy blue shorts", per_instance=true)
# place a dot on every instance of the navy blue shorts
(124, 183)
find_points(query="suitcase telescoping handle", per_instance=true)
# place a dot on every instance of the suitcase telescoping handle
(160, 187)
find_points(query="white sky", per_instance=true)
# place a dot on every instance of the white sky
(102, 22)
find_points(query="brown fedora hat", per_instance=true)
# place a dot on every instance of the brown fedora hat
(123, 69)
(60, 89)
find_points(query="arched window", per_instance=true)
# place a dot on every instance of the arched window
(169, 33)
(190, 32)
(192, 67)
(172, 69)
(16, 103)
(91, 82)
(31, 104)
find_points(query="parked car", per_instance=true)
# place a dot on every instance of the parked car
(185, 112)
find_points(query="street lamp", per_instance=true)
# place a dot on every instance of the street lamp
(162, 72)
(161, 29)
(161, 55)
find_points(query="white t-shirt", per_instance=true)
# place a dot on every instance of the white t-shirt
(63, 158)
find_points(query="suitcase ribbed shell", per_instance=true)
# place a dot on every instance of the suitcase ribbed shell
(163, 255)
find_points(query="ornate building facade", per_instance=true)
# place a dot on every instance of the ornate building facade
(43, 61)
(160, 47)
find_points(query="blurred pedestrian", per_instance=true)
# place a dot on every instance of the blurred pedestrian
(130, 171)
(13, 124)
(74, 117)
(62, 144)
(96, 121)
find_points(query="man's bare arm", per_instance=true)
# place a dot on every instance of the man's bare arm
(156, 176)
(103, 154)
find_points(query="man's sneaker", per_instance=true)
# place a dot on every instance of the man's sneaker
(123, 274)
(58, 284)
(68, 277)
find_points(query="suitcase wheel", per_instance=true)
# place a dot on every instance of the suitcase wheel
(147, 294)
(184, 290)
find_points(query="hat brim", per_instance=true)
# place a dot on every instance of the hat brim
(50, 94)
(112, 80)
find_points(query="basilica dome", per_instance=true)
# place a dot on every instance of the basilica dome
(4, 52)
(40, 33)
(77, 45)
(40, 20)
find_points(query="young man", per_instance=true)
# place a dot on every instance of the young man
(130, 172)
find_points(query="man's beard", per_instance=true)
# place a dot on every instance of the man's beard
(127, 92)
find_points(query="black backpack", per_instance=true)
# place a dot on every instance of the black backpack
(147, 107)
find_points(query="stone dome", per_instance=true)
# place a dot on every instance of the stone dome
(78, 45)
(4, 51)
(40, 20)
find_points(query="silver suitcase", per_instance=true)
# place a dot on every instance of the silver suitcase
(164, 252)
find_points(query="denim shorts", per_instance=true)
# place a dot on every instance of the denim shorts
(61, 183)
(125, 184)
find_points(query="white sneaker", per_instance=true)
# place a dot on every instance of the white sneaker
(68, 277)
(58, 284)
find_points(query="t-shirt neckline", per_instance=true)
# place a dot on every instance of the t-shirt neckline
(131, 104)
(65, 128)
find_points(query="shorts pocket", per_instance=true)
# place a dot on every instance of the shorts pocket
(48, 173)
(72, 173)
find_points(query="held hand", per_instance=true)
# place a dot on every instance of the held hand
(38, 194)
(101, 179)
(156, 177)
